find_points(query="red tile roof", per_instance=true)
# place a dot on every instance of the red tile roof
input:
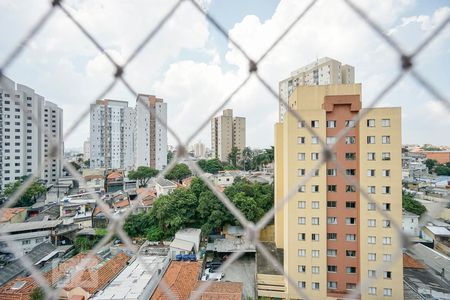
(9, 213)
(115, 175)
(180, 277)
(411, 263)
(122, 203)
(220, 290)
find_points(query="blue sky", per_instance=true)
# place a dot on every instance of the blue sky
(194, 68)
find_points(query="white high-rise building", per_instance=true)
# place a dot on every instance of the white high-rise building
(87, 149)
(321, 72)
(151, 134)
(112, 135)
(25, 145)
(199, 150)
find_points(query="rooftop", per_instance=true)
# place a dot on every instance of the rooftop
(9, 213)
(133, 280)
(16, 227)
(438, 230)
(181, 278)
(165, 183)
(182, 244)
(409, 262)
(230, 245)
(220, 290)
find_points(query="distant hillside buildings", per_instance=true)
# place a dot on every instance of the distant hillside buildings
(123, 137)
(227, 132)
(25, 145)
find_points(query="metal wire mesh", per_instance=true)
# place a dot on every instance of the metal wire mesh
(406, 61)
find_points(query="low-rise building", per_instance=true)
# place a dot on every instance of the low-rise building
(410, 224)
(13, 215)
(218, 290)
(186, 241)
(164, 186)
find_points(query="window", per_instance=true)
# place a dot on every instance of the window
(301, 204)
(350, 237)
(350, 221)
(315, 253)
(350, 204)
(331, 140)
(387, 206)
(386, 189)
(387, 223)
(315, 237)
(370, 139)
(350, 286)
(372, 222)
(386, 122)
(386, 139)
(371, 123)
(301, 268)
(301, 252)
(350, 140)
(314, 140)
(301, 156)
(349, 123)
(387, 240)
(301, 284)
(350, 270)
(315, 124)
(301, 188)
(372, 274)
(386, 173)
(301, 140)
(302, 236)
(332, 220)
(331, 124)
(315, 188)
(333, 156)
(331, 172)
(387, 275)
(371, 239)
(315, 204)
(332, 269)
(39, 240)
(331, 252)
(332, 285)
(371, 172)
(301, 220)
(301, 172)
(316, 173)
(350, 156)
(301, 124)
(314, 156)
(387, 292)
(371, 189)
(315, 285)
(26, 242)
(387, 257)
(386, 156)
(315, 221)
(331, 204)
(350, 253)
(372, 256)
(331, 236)
(331, 188)
(370, 155)
(371, 206)
(350, 172)
(350, 189)
(315, 269)
(372, 290)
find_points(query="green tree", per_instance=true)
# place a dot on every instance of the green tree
(137, 224)
(142, 174)
(248, 206)
(37, 294)
(430, 163)
(212, 212)
(247, 155)
(442, 170)
(412, 205)
(179, 172)
(87, 163)
(154, 233)
(30, 196)
(212, 166)
(233, 156)
(170, 155)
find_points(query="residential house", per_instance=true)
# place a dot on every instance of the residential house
(164, 186)
(13, 215)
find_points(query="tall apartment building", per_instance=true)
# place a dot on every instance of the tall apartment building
(151, 135)
(332, 237)
(87, 149)
(199, 150)
(227, 132)
(112, 135)
(321, 72)
(25, 145)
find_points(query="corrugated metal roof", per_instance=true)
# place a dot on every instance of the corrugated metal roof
(14, 227)
(182, 244)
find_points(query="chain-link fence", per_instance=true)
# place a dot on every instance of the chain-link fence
(406, 62)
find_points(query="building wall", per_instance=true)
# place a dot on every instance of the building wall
(227, 132)
(410, 225)
(25, 144)
(313, 103)
(440, 156)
